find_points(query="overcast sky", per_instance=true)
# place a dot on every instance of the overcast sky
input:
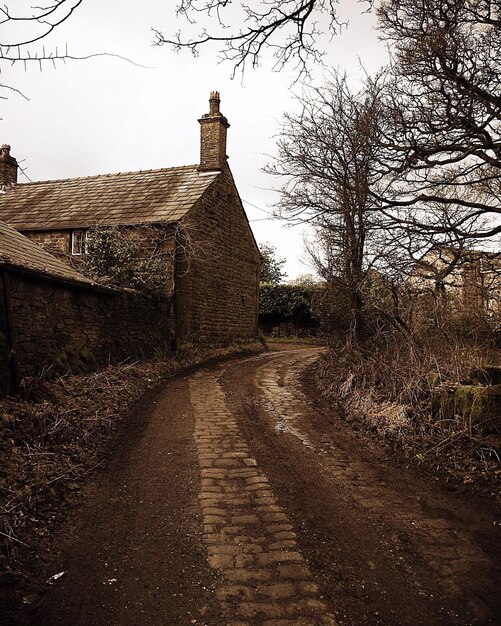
(106, 115)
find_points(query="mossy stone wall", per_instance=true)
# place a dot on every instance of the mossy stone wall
(476, 405)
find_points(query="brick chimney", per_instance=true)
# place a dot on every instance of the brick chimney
(8, 167)
(213, 126)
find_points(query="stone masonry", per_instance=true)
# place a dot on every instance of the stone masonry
(251, 541)
(58, 327)
(213, 127)
(224, 268)
(57, 242)
(8, 167)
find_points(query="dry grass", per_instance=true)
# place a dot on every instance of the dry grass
(385, 389)
(51, 441)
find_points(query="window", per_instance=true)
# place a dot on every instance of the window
(78, 238)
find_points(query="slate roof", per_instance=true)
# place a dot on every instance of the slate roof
(18, 251)
(148, 196)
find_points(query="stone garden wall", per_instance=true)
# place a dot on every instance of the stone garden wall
(49, 326)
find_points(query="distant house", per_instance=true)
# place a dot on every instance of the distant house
(470, 279)
(211, 257)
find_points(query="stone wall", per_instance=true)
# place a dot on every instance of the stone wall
(5, 374)
(217, 287)
(57, 326)
(57, 242)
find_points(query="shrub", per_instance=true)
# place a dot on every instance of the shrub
(286, 304)
(127, 258)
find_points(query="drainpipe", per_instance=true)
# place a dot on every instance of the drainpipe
(12, 384)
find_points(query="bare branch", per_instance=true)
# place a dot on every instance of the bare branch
(48, 17)
(443, 137)
(290, 30)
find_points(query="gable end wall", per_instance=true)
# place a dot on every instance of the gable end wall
(217, 297)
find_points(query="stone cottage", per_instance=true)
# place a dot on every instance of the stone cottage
(211, 257)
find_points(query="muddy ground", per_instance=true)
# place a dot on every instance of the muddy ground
(234, 495)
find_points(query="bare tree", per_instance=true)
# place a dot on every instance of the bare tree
(444, 110)
(289, 29)
(327, 155)
(443, 147)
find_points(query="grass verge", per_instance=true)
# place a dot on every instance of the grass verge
(385, 391)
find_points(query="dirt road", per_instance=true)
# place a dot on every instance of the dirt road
(236, 497)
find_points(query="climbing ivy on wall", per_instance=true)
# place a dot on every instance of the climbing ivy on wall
(130, 258)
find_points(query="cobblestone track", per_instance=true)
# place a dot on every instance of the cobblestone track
(386, 546)
(283, 399)
(250, 540)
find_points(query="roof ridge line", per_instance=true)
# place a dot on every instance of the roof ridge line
(61, 180)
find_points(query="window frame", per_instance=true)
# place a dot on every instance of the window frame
(73, 248)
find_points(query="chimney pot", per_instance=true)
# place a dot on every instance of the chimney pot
(214, 102)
